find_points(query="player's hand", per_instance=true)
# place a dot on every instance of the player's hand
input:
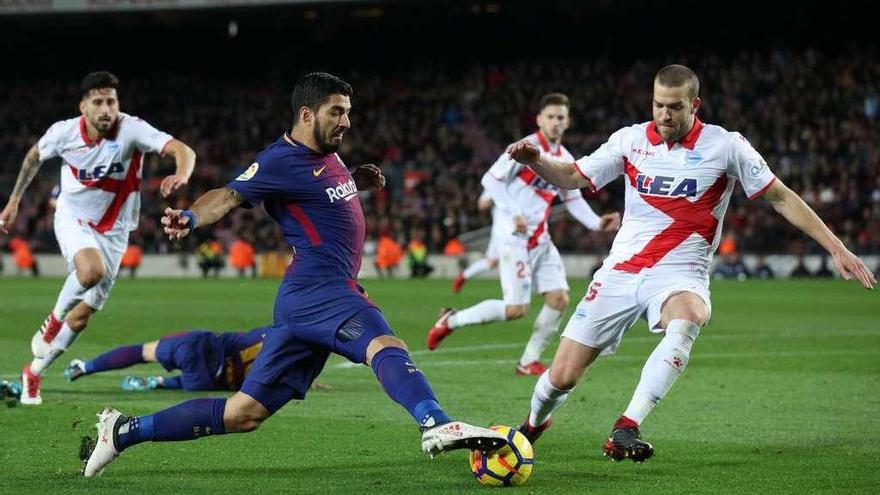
(175, 225)
(849, 266)
(524, 152)
(520, 226)
(609, 222)
(7, 217)
(368, 176)
(172, 183)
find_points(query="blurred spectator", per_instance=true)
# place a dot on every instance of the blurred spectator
(417, 252)
(801, 271)
(211, 257)
(389, 253)
(455, 248)
(762, 269)
(242, 256)
(731, 266)
(23, 257)
(132, 259)
(812, 114)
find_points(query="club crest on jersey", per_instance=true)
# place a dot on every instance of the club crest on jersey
(661, 185)
(343, 191)
(99, 172)
(249, 173)
(692, 158)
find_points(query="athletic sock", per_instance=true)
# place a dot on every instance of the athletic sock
(663, 366)
(475, 268)
(71, 293)
(59, 345)
(121, 357)
(546, 325)
(483, 312)
(188, 420)
(406, 384)
(545, 399)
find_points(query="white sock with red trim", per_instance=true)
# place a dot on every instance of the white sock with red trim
(545, 399)
(476, 268)
(663, 366)
(483, 312)
(71, 293)
(66, 337)
(546, 325)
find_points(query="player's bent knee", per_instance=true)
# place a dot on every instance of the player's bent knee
(89, 276)
(243, 414)
(381, 342)
(557, 300)
(516, 311)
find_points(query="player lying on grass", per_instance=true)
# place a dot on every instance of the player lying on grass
(320, 308)
(206, 360)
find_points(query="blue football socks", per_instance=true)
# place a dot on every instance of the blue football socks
(121, 357)
(186, 421)
(407, 386)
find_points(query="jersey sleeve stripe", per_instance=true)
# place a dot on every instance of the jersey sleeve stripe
(763, 189)
(589, 181)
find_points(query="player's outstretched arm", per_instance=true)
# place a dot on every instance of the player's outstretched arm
(29, 168)
(561, 174)
(799, 214)
(185, 159)
(210, 207)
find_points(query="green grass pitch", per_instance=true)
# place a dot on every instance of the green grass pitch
(781, 396)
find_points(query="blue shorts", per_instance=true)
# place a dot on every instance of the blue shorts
(193, 353)
(313, 317)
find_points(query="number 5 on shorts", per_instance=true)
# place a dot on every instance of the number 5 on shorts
(593, 291)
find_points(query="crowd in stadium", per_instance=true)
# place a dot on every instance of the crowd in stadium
(435, 130)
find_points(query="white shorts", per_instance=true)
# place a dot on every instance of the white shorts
(615, 300)
(74, 235)
(521, 269)
(492, 249)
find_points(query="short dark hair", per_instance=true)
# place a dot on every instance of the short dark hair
(553, 99)
(98, 80)
(674, 76)
(312, 90)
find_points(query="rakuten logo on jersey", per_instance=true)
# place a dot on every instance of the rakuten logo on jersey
(99, 172)
(345, 191)
(666, 186)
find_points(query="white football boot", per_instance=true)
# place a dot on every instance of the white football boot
(103, 448)
(458, 435)
(48, 330)
(30, 387)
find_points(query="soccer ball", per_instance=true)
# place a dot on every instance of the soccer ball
(510, 465)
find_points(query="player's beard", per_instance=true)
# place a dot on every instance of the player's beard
(324, 141)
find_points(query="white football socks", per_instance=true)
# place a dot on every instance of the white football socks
(546, 325)
(663, 366)
(483, 312)
(476, 268)
(65, 338)
(545, 399)
(71, 293)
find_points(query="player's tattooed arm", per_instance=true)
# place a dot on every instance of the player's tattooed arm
(29, 168)
(798, 213)
(562, 174)
(208, 208)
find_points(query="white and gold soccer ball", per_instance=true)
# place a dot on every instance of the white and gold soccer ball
(510, 465)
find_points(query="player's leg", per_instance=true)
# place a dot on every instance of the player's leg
(602, 316)
(282, 371)
(555, 385)
(366, 338)
(118, 358)
(516, 285)
(88, 271)
(681, 315)
(545, 327)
